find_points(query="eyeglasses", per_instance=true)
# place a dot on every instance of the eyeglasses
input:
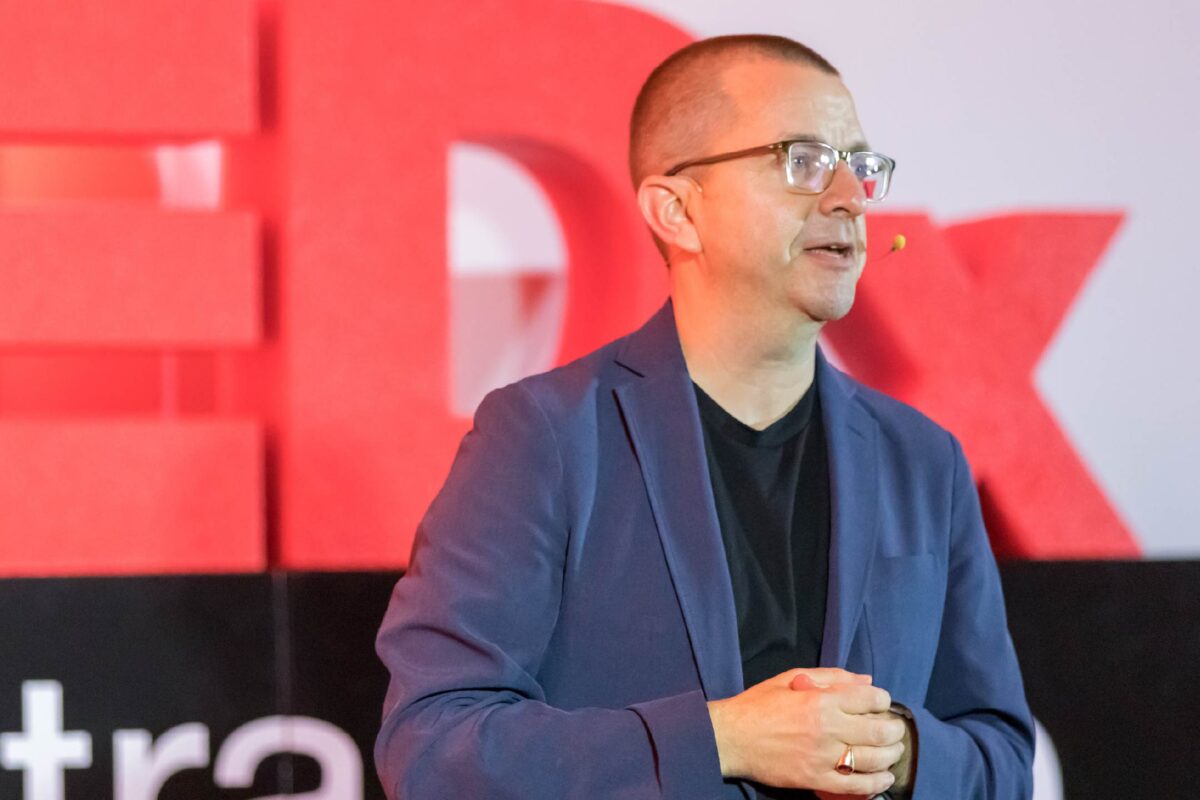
(810, 166)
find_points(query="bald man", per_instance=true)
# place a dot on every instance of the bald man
(702, 562)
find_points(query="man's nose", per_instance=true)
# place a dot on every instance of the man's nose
(845, 194)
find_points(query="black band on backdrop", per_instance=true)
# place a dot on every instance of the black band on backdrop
(1108, 649)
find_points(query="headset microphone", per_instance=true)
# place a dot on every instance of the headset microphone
(898, 244)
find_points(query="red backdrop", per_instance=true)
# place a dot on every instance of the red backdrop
(266, 382)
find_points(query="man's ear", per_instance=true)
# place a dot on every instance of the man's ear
(664, 203)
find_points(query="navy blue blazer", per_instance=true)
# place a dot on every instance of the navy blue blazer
(568, 611)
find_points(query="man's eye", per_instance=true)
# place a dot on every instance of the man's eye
(867, 166)
(807, 161)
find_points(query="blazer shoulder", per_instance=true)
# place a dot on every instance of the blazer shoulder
(563, 392)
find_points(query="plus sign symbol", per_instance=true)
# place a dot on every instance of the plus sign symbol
(43, 749)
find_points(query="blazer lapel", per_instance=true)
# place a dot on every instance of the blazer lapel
(660, 412)
(851, 435)
(659, 409)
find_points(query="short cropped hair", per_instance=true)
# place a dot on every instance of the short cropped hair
(682, 102)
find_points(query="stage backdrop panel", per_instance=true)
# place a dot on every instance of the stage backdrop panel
(235, 687)
(103, 672)
(1109, 653)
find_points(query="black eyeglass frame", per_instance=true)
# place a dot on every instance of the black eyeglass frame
(784, 146)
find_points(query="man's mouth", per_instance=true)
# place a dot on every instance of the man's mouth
(833, 248)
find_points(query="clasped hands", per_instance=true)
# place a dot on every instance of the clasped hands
(790, 730)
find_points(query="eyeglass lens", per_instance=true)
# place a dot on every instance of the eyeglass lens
(811, 165)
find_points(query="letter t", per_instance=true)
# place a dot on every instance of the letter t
(43, 750)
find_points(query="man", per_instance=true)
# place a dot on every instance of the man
(701, 562)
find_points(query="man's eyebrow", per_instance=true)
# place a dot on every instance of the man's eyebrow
(855, 147)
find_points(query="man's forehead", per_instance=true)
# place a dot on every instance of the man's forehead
(786, 100)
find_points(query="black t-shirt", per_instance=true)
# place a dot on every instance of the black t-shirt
(772, 494)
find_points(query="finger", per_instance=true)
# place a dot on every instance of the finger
(882, 715)
(876, 759)
(801, 682)
(828, 676)
(858, 729)
(862, 699)
(860, 783)
(834, 677)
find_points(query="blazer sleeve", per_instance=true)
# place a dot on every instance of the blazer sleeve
(469, 624)
(975, 733)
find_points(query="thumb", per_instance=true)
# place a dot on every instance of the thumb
(826, 676)
(801, 682)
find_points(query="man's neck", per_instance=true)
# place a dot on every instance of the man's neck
(754, 367)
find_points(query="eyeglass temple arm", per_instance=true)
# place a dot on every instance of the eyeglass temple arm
(750, 151)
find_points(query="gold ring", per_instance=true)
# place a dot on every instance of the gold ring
(845, 764)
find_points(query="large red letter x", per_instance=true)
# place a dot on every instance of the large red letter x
(955, 325)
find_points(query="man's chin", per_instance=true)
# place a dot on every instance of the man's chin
(829, 309)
